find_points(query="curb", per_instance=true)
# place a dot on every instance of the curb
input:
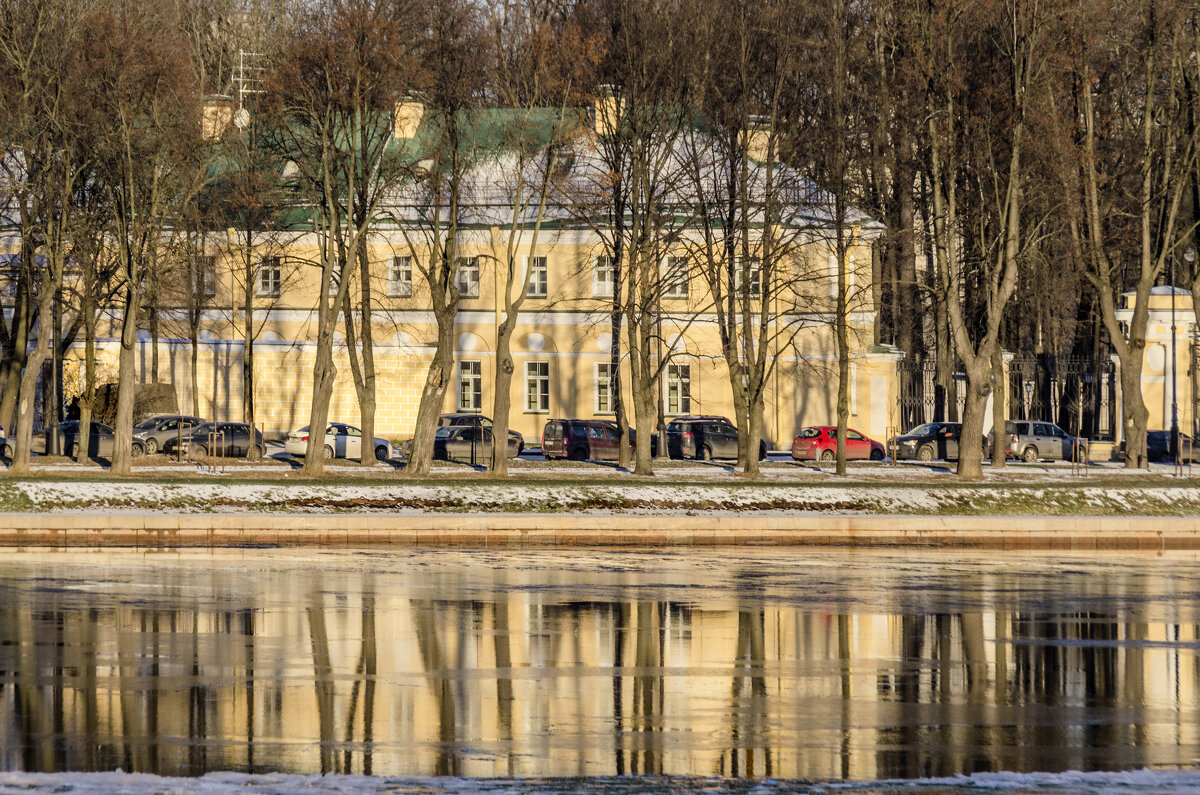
(563, 530)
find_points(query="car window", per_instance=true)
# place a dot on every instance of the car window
(443, 433)
(675, 427)
(923, 430)
(352, 431)
(484, 421)
(169, 425)
(612, 434)
(1060, 432)
(809, 433)
(1021, 429)
(726, 428)
(833, 433)
(1041, 429)
(578, 432)
(206, 429)
(595, 432)
(145, 424)
(855, 435)
(98, 428)
(553, 429)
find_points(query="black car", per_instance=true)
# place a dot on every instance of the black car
(469, 444)
(100, 440)
(1158, 447)
(933, 440)
(150, 433)
(220, 439)
(705, 438)
(479, 420)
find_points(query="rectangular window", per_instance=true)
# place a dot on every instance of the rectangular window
(206, 277)
(335, 280)
(675, 277)
(833, 276)
(269, 277)
(602, 277)
(399, 283)
(604, 403)
(470, 386)
(679, 389)
(755, 269)
(538, 277)
(537, 387)
(468, 277)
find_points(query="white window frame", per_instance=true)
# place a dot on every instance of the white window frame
(833, 275)
(755, 277)
(400, 287)
(470, 385)
(677, 401)
(270, 277)
(603, 403)
(676, 277)
(537, 387)
(206, 265)
(603, 288)
(468, 277)
(539, 276)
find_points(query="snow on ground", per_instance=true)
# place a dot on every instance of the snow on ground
(1170, 782)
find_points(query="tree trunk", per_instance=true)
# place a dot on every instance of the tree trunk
(17, 353)
(28, 389)
(433, 396)
(1136, 416)
(324, 375)
(248, 336)
(970, 456)
(196, 376)
(502, 399)
(126, 384)
(999, 398)
(88, 399)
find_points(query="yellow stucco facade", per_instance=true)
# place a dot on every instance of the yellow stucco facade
(560, 347)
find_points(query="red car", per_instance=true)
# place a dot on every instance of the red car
(821, 443)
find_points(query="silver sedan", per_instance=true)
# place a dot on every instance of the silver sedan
(341, 441)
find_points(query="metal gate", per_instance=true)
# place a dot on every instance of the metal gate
(923, 400)
(1077, 394)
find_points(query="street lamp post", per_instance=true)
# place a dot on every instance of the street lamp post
(1189, 255)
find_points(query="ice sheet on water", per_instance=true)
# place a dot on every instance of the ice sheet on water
(1093, 783)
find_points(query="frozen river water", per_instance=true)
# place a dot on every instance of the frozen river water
(270, 667)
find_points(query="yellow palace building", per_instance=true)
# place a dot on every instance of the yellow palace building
(561, 345)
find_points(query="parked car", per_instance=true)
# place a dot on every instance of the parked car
(460, 419)
(582, 440)
(820, 442)
(149, 434)
(1158, 447)
(222, 439)
(1031, 441)
(341, 441)
(932, 440)
(705, 438)
(100, 440)
(468, 444)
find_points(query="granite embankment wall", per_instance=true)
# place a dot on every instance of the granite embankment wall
(155, 530)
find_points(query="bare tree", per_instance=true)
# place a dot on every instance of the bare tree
(1129, 65)
(434, 209)
(538, 61)
(331, 95)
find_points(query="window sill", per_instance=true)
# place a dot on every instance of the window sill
(537, 411)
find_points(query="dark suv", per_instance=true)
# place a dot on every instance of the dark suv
(704, 438)
(582, 440)
(220, 439)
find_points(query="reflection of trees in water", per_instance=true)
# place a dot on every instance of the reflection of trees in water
(188, 689)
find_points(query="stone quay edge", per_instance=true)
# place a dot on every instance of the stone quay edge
(159, 530)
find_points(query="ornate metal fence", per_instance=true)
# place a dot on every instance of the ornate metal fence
(1077, 394)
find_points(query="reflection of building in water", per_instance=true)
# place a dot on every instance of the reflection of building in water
(431, 672)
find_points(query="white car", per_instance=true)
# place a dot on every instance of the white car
(341, 441)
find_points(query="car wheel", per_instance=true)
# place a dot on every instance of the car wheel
(255, 454)
(762, 451)
(198, 451)
(328, 453)
(8, 451)
(876, 455)
(1029, 455)
(136, 449)
(828, 455)
(381, 454)
(578, 455)
(925, 453)
(704, 454)
(151, 446)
